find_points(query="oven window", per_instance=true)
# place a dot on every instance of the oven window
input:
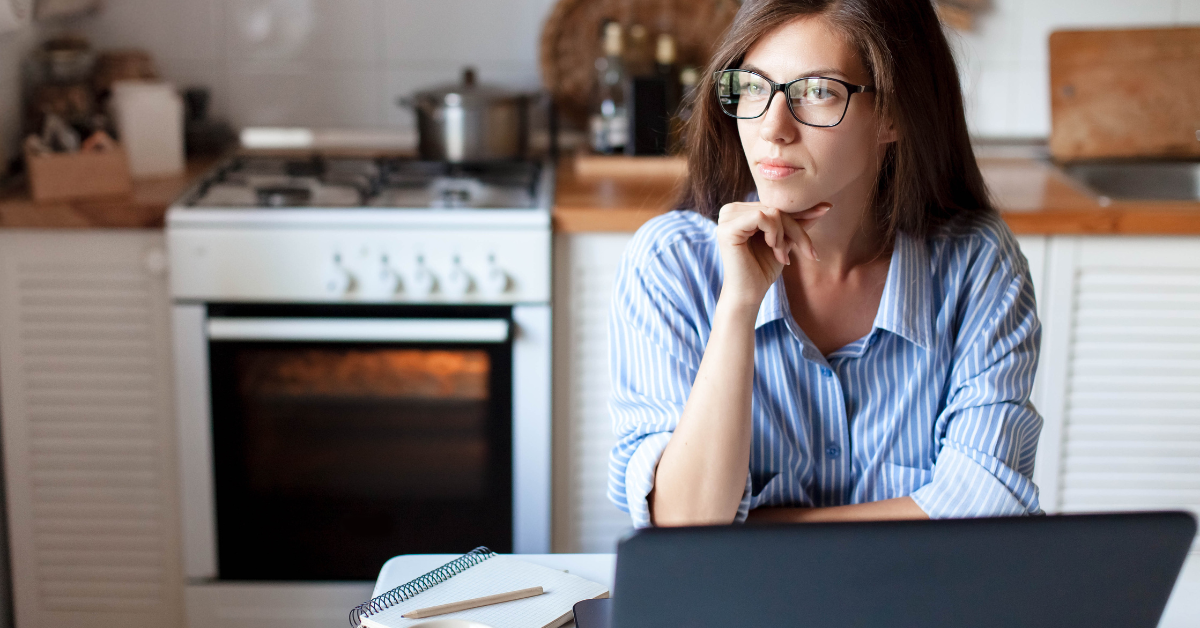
(331, 458)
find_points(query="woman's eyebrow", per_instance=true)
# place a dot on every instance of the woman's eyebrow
(817, 72)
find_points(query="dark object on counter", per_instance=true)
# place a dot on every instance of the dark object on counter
(204, 137)
(1112, 570)
(648, 116)
(59, 74)
(665, 68)
(464, 122)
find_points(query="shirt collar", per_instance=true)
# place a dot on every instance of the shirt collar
(906, 306)
(773, 306)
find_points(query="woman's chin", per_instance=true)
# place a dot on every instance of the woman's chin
(786, 200)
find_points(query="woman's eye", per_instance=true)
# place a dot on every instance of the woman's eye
(817, 93)
(751, 89)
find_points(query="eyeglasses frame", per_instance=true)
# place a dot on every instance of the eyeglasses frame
(783, 87)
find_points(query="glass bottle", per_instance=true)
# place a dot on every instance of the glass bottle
(609, 124)
(639, 60)
(664, 66)
(689, 76)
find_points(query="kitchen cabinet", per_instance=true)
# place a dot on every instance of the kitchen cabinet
(89, 449)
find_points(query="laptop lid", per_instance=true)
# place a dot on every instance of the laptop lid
(1114, 570)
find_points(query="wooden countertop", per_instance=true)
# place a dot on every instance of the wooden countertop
(1033, 196)
(144, 208)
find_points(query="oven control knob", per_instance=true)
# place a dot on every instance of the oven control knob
(423, 282)
(458, 281)
(339, 280)
(495, 282)
(387, 280)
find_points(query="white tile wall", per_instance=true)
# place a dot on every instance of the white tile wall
(326, 62)
(344, 62)
(1189, 11)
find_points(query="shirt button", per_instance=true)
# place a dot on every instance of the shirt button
(832, 451)
(826, 372)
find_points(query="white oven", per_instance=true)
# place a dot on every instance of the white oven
(353, 384)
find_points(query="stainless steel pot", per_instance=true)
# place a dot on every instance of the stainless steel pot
(470, 122)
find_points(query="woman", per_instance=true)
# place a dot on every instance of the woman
(855, 339)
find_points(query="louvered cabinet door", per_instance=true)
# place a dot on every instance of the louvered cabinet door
(1123, 374)
(584, 519)
(88, 437)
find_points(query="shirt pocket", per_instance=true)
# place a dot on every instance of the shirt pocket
(900, 480)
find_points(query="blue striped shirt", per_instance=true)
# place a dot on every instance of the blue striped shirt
(933, 403)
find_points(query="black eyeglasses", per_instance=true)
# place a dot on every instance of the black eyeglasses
(813, 100)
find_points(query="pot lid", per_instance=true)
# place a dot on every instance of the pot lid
(467, 93)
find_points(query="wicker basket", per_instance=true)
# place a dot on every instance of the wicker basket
(571, 40)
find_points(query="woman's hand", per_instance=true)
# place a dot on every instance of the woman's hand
(756, 242)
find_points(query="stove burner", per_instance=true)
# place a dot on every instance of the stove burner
(456, 198)
(283, 197)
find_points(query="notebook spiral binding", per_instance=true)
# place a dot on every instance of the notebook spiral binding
(419, 585)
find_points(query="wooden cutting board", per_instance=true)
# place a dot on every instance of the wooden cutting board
(1125, 93)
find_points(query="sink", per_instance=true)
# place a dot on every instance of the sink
(1147, 180)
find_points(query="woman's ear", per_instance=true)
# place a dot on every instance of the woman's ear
(887, 132)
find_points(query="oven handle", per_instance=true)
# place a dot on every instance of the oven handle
(473, 330)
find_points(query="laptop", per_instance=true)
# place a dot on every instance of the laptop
(1112, 570)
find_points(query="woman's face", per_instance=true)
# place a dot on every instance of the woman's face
(796, 166)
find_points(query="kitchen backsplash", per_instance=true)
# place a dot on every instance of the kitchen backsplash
(327, 62)
(344, 62)
(12, 49)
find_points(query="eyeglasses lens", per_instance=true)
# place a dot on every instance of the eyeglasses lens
(819, 102)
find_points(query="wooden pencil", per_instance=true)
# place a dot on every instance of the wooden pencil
(486, 600)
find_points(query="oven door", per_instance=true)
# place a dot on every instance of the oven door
(344, 435)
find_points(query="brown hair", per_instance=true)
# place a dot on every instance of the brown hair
(927, 177)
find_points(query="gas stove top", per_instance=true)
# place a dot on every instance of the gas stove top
(276, 190)
(266, 182)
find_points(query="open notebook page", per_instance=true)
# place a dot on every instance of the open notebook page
(499, 574)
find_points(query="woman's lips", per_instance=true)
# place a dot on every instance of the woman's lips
(776, 169)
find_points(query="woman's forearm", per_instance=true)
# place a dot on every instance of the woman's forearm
(896, 509)
(702, 473)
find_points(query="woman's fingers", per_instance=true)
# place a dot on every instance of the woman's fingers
(742, 223)
(781, 230)
(799, 239)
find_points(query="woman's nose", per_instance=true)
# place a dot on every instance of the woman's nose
(778, 125)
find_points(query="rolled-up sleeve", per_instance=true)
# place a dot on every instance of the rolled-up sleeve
(656, 341)
(988, 430)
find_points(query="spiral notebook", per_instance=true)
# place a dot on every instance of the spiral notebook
(478, 573)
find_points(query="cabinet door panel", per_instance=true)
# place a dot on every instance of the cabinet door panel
(1125, 344)
(585, 266)
(88, 437)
